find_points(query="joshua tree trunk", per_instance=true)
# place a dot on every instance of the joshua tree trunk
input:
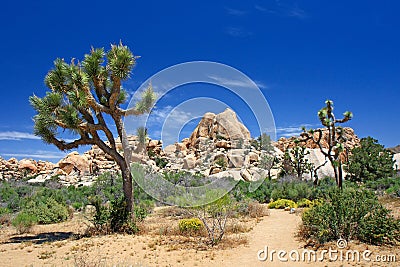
(124, 165)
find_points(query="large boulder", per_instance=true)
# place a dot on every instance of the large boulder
(317, 158)
(74, 162)
(223, 126)
(237, 158)
(235, 174)
(189, 162)
(396, 157)
(229, 127)
(27, 164)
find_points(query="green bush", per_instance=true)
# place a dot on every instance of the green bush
(282, 203)
(47, 210)
(370, 161)
(120, 220)
(190, 225)
(385, 185)
(4, 211)
(306, 203)
(24, 222)
(114, 218)
(161, 162)
(350, 214)
(277, 189)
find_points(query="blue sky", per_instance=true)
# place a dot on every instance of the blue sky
(299, 52)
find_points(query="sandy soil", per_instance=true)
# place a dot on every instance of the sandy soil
(57, 245)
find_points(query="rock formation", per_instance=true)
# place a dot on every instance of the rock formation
(220, 146)
(223, 127)
(351, 140)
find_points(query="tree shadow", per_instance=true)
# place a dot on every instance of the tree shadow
(44, 237)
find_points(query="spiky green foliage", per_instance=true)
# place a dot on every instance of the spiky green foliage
(297, 161)
(268, 162)
(81, 95)
(370, 161)
(81, 92)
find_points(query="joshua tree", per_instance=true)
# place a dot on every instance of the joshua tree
(82, 96)
(268, 162)
(334, 139)
(296, 159)
(265, 143)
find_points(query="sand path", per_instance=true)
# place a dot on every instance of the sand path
(277, 231)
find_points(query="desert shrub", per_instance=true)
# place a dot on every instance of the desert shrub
(4, 211)
(306, 203)
(249, 207)
(24, 222)
(46, 210)
(281, 189)
(143, 209)
(256, 210)
(161, 162)
(350, 214)
(262, 193)
(214, 215)
(120, 220)
(221, 162)
(101, 215)
(12, 194)
(113, 217)
(370, 161)
(389, 185)
(5, 216)
(185, 178)
(282, 203)
(191, 225)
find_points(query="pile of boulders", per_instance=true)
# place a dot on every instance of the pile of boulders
(220, 146)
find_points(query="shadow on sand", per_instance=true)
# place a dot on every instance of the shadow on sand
(44, 237)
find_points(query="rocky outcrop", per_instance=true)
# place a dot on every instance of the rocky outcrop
(351, 138)
(220, 146)
(395, 149)
(74, 162)
(223, 126)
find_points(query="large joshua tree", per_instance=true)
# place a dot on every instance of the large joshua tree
(334, 139)
(86, 98)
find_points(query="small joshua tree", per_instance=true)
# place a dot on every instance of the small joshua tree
(334, 139)
(296, 159)
(268, 162)
(265, 143)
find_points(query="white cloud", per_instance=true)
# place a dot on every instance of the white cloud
(294, 130)
(238, 32)
(40, 154)
(280, 8)
(235, 12)
(176, 115)
(238, 83)
(14, 135)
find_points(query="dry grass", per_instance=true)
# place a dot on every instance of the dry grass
(257, 210)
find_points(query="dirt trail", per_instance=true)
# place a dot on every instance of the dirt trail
(277, 231)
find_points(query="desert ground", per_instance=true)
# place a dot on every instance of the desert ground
(158, 244)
